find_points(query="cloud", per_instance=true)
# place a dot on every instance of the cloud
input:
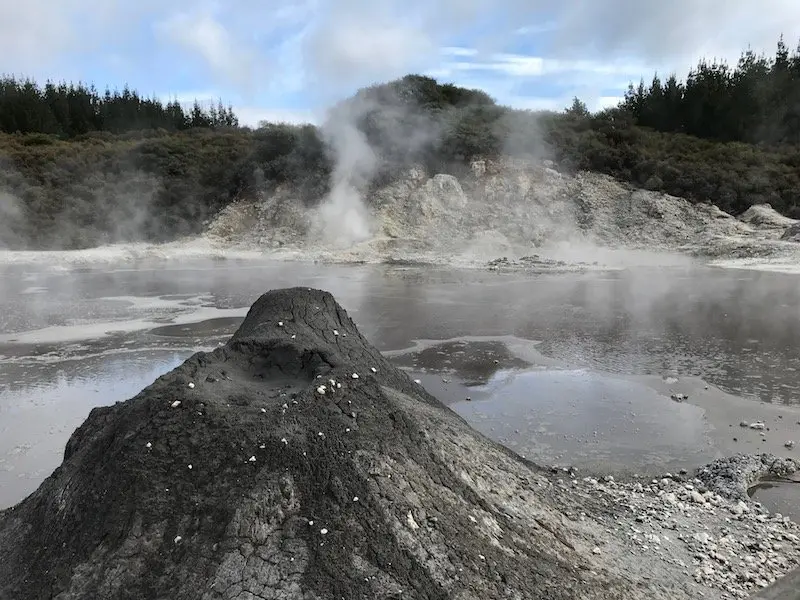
(300, 55)
(674, 32)
(352, 49)
(536, 29)
(35, 34)
(517, 65)
(458, 51)
(357, 42)
(201, 34)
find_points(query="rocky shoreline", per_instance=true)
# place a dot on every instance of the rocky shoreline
(705, 524)
(297, 462)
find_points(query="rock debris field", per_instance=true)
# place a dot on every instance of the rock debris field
(295, 462)
(509, 214)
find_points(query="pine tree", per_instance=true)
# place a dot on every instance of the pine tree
(74, 109)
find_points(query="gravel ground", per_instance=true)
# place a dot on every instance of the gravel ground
(704, 528)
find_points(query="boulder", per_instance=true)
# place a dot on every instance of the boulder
(763, 215)
(792, 233)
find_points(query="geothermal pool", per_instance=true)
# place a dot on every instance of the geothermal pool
(566, 369)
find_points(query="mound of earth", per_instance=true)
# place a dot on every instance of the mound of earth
(296, 462)
(763, 215)
(792, 233)
(507, 207)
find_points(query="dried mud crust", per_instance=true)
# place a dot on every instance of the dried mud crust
(239, 476)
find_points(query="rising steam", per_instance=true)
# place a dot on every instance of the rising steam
(10, 213)
(343, 218)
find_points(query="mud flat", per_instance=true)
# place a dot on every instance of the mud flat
(297, 462)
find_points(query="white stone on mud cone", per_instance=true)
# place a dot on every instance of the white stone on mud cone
(355, 375)
(412, 524)
(373, 369)
(280, 323)
(176, 404)
(148, 445)
(321, 390)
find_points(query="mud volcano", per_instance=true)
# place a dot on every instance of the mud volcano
(296, 462)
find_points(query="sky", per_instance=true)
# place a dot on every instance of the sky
(287, 60)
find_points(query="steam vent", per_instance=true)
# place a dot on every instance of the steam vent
(296, 462)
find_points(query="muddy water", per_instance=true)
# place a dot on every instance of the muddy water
(567, 369)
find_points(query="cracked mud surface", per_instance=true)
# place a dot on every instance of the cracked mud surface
(266, 469)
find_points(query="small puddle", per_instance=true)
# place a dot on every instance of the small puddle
(779, 496)
(473, 362)
(577, 417)
(209, 328)
(588, 420)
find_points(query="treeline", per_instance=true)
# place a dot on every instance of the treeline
(86, 170)
(757, 101)
(69, 110)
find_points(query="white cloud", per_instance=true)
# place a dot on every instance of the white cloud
(674, 32)
(458, 51)
(288, 51)
(35, 34)
(602, 102)
(202, 34)
(518, 65)
(538, 28)
(352, 52)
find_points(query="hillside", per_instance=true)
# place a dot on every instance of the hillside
(504, 208)
(86, 170)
